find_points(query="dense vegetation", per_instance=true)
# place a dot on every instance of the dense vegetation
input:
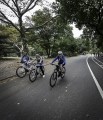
(86, 14)
(48, 30)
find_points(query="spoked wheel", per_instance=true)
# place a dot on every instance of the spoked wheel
(63, 73)
(53, 79)
(21, 71)
(33, 75)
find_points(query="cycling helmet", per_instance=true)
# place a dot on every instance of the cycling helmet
(60, 52)
(37, 55)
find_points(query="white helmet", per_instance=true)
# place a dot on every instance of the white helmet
(60, 52)
(37, 55)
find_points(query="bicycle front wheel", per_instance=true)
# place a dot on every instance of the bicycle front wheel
(21, 71)
(53, 79)
(32, 75)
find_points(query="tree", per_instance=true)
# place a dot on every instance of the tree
(7, 36)
(16, 8)
(50, 34)
(84, 13)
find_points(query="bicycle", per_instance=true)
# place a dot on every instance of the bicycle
(56, 74)
(23, 69)
(35, 72)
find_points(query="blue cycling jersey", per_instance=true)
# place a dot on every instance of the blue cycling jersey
(25, 58)
(61, 59)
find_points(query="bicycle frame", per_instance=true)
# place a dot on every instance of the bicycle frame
(58, 70)
(34, 72)
(29, 66)
(37, 69)
(22, 70)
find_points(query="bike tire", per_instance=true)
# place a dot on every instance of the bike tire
(21, 72)
(53, 79)
(32, 75)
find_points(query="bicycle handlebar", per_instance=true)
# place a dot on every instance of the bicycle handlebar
(54, 64)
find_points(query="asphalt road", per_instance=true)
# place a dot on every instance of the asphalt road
(79, 96)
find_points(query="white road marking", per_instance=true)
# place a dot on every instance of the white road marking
(95, 80)
(97, 63)
(98, 60)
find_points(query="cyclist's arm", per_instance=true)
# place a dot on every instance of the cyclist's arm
(34, 59)
(41, 60)
(64, 59)
(54, 59)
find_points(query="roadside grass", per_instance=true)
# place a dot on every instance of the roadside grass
(46, 60)
(9, 58)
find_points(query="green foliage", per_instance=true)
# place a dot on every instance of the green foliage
(83, 45)
(11, 9)
(54, 36)
(7, 37)
(84, 13)
(51, 35)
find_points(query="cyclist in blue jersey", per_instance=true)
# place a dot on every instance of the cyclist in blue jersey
(25, 58)
(61, 60)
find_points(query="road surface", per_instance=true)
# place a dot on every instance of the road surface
(79, 96)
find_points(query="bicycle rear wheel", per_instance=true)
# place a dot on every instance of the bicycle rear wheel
(21, 72)
(53, 79)
(33, 75)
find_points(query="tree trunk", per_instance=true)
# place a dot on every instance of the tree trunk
(48, 52)
(22, 36)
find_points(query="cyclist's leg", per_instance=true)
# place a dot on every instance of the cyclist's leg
(63, 71)
(41, 67)
(36, 69)
(61, 66)
(59, 70)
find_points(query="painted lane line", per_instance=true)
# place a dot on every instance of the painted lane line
(97, 63)
(95, 80)
(98, 60)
